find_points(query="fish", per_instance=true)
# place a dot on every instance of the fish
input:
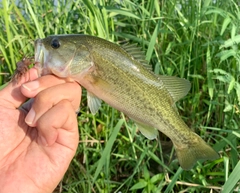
(118, 76)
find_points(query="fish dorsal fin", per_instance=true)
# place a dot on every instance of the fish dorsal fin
(177, 87)
(94, 103)
(137, 53)
(149, 132)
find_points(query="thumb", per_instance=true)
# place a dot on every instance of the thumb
(11, 96)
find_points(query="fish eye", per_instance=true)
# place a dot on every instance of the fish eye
(55, 44)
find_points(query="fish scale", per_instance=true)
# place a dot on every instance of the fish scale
(112, 74)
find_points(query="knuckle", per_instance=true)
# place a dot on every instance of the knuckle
(65, 104)
(43, 99)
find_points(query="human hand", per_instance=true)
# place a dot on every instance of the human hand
(36, 152)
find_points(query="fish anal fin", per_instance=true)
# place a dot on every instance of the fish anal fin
(177, 87)
(189, 154)
(94, 103)
(148, 131)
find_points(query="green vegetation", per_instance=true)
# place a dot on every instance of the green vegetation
(195, 39)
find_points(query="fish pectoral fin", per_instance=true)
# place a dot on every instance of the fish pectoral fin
(94, 103)
(177, 87)
(149, 132)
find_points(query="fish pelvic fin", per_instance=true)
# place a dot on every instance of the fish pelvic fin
(191, 153)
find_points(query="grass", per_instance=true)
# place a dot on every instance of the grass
(197, 40)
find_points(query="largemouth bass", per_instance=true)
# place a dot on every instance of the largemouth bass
(114, 74)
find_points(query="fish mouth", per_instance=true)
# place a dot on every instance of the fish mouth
(38, 54)
(41, 58)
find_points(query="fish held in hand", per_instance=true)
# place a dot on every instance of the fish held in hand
(117, 76)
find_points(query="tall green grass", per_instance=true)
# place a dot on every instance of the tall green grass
(197, 40)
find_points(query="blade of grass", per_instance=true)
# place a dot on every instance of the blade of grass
(36, 20)
(107, 149)
(173, 181)
(153, 41)
(8, 22)
(233, 180)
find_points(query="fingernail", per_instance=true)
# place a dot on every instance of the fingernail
(43, 141)
(30, 117)
(33, 85)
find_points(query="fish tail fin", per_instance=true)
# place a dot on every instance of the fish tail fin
(191, 153)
